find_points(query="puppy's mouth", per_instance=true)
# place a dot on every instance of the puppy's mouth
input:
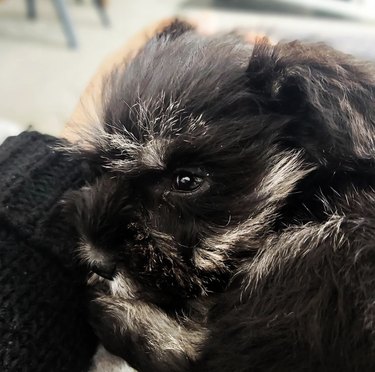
(106, 270)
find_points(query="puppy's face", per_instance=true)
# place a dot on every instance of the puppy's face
(200, 149)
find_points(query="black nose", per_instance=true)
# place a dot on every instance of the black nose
(105, 270)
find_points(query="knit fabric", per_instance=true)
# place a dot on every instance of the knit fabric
(43, 321)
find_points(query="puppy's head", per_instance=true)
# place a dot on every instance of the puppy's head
(205, 145)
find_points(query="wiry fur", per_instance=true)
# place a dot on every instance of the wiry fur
(269, 266)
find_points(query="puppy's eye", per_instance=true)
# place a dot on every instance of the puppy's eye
(186, 182)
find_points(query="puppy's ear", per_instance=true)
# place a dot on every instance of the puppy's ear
(329, 95)
(174, 30)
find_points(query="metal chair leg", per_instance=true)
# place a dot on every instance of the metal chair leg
(99, 5)
(66, 22)
(31, 9)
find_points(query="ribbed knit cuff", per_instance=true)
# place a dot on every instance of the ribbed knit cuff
(43, 324)
(33, 178)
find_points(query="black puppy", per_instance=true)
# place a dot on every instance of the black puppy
(232, 224)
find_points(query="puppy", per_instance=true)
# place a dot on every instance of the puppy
(231, 226)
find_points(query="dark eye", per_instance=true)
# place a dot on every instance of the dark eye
(186, 182)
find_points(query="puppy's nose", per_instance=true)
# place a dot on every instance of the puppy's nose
(104, 269)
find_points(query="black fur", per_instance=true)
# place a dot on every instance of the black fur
(269, 264)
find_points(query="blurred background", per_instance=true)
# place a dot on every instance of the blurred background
(49, 49)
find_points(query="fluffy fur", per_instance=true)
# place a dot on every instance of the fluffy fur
(269, 264)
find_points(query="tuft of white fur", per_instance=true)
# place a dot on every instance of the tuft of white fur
(158, 129)
(279, 181)
(104, 361)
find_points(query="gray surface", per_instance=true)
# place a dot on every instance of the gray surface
(285, 22)
(41, 79)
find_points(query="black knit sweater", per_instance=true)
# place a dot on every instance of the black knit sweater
(43, 324)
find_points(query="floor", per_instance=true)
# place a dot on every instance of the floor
(41, 78)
